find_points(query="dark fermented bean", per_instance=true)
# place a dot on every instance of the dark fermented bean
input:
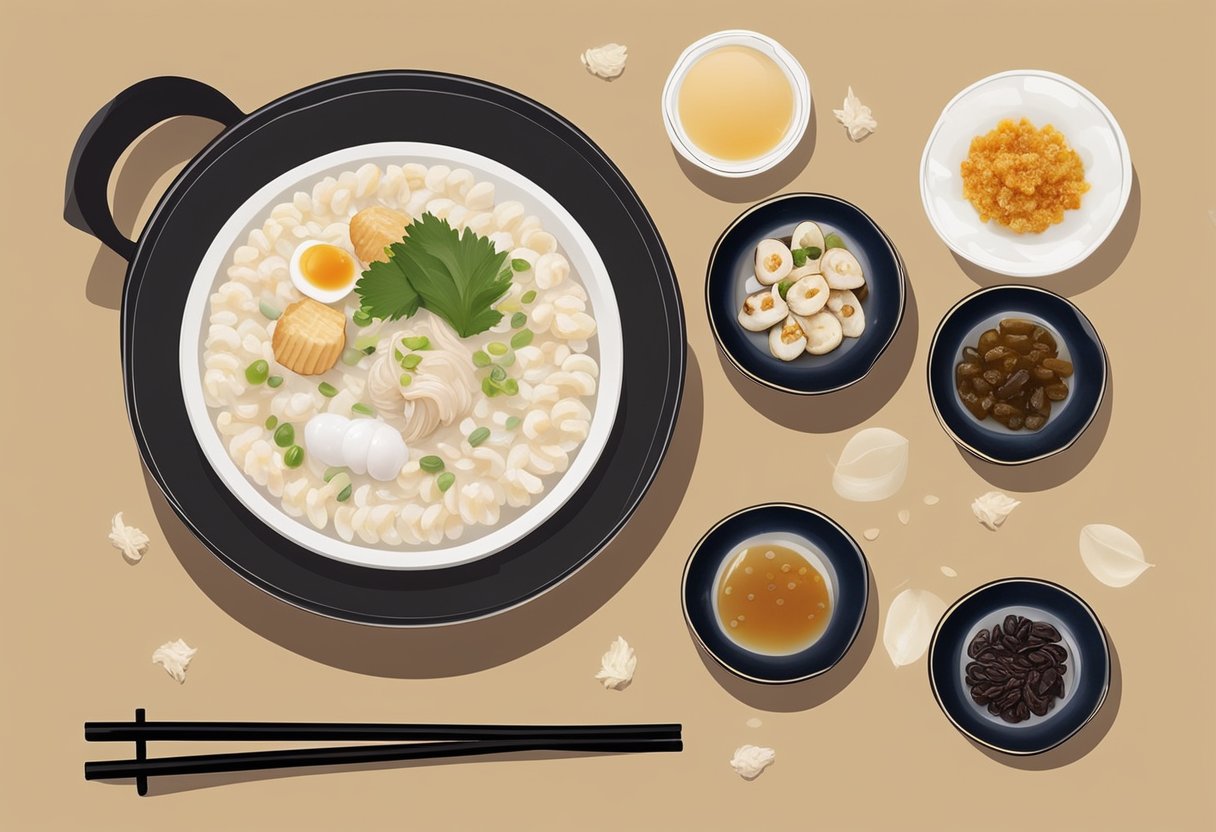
(1058, 366)
(1016, 326)
(1013, 385)
(1017, 669)
(1018, 364)
(1043, 630)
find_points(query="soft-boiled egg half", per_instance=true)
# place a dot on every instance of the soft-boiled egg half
(322, 271)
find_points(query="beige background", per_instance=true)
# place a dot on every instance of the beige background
(79, 624)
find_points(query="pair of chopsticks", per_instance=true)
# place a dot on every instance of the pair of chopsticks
(405, 742)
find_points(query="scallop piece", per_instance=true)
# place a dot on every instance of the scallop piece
(809, 235)
(773, 261)
(841, 269)
(823, 332)
(762, 310)
(357, 441)
(787, 340)
(386, 453)
(808, 295)
(847, 308)
(323, 437)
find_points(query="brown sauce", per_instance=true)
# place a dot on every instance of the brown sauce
(771, 599)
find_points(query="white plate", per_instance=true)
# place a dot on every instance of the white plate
(572, 241)
(1044, 98)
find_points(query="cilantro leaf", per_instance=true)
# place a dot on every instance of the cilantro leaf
(457, 276)
(385, 291)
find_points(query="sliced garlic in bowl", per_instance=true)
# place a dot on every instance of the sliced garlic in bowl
(845, 344)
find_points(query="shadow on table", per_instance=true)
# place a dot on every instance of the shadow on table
(1055, 470)
(1086, 274)
(1083, 742)
(802, 696)
(170, 143)
(468, 647)
(832, 412)
(193, 782)
(753, 188)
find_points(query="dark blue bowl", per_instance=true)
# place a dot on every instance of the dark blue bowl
(848, 572)
(1086, 680)
(987, 439)
(733, 261)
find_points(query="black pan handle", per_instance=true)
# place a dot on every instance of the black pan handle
(111, 131)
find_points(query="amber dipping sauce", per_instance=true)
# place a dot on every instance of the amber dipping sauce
(771, 599)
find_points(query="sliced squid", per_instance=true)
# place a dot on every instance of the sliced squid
(847, 308)
(762, 310)
(823, 332)
(808, 295)
(787, 340)
(773, 261)
(841, 269)
(809, 235)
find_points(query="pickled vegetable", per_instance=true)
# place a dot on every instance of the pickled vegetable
(1013, 374)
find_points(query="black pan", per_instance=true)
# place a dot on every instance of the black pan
(254, 149)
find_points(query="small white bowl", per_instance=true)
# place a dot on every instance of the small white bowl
(794, 73)
(1044, 98)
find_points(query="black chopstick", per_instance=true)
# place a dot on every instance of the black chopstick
(330, 731)
(357, 754)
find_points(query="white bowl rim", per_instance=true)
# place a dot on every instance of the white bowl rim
(803, 104)
(423, 557)
(1031, 270)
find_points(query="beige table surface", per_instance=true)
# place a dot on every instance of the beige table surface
(864, 747)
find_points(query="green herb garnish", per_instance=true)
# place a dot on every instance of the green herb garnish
(784, 286)
(801, 255)
(520, 265)
(456, 275)
(833, 240)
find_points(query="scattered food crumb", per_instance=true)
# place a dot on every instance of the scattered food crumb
(905, 516)
(607, 61)
(993, 508)
(174, 657)
(617, 665)
(870, 534)
(948, 572)
(932, 499)
(856, 117)
(750, 760)
(754, 722)
(127, 539)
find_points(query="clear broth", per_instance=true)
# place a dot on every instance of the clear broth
(736, 103)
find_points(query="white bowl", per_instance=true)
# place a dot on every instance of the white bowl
(794, 73)
(1044, 98)
(510, 185)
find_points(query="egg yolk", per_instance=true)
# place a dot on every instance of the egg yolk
(327, 267)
